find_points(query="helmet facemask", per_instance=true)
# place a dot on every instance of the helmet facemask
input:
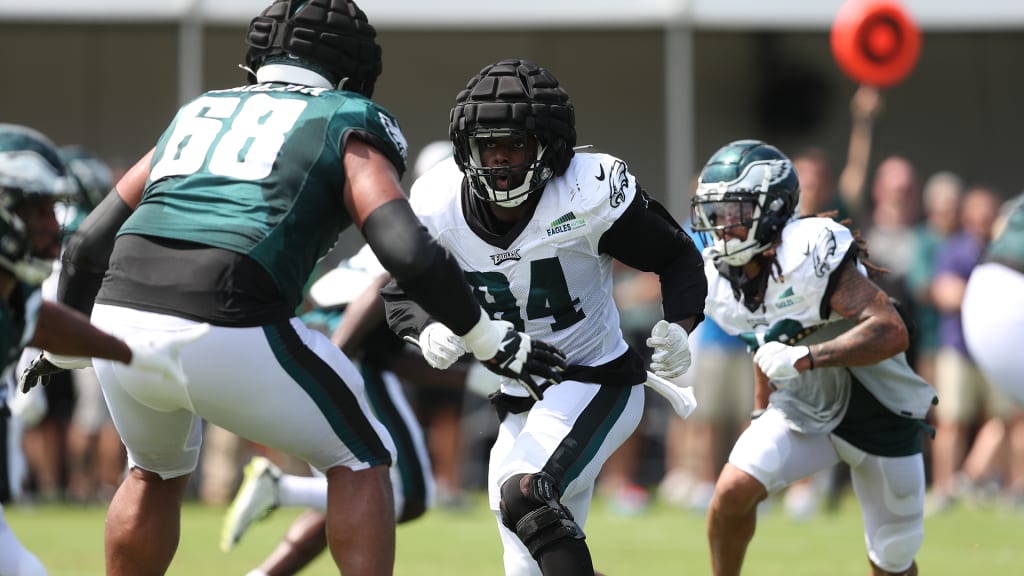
(520, 179)
(14, 252)
(719, 208)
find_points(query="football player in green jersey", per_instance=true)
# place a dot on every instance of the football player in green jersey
(221, 225)
(32, 176)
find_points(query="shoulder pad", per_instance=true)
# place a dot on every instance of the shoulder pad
(820, 243)
(603, 183)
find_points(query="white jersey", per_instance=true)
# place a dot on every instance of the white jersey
(795, 310)
(550, 281)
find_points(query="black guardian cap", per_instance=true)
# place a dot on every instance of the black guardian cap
(331, 37)
(513, 96)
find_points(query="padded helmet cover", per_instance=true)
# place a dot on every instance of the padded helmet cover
(515, 95)
(332, 37)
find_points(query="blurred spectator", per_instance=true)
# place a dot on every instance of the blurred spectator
(865, 107)
(638, 298)
(896, 193)
(722, 377)
(817, 184)
(942, 195)
(966, 398)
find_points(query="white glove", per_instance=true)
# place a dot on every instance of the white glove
(440, 346)
(778, 361)
(161, 352)
(671, 346)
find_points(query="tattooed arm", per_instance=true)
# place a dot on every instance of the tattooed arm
(879, 333)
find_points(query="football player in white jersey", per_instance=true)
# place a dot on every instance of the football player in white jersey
(831, 378)
(535, 228)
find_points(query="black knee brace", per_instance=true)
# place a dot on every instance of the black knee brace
(530, 508)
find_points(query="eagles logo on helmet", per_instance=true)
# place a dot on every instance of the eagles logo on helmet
(746, 184)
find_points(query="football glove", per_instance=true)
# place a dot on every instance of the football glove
(38, 372)
(502, 350)
(778, 361)
(671, 357)
(440, 346)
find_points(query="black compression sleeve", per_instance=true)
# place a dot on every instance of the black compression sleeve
(404, 317)
(420, 266)
(87, 255)
(647, 238)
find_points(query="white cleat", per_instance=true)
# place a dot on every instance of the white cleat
(257, 497)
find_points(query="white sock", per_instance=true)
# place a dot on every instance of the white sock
(303, 491)
(256, 572)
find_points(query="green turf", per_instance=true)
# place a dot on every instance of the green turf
(663, 541)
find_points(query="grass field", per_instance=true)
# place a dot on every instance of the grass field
(662, 542)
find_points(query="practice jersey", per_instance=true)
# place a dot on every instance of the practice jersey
(1008, 247)
(258, 171)
(550, 281)
(796, 310)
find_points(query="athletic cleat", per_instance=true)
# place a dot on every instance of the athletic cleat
(257, 497)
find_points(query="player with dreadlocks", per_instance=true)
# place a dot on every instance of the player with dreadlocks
(832, 381)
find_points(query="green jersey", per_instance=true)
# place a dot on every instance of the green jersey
(258, 171)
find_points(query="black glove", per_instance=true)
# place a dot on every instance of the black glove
(522, 358)
(38, 372)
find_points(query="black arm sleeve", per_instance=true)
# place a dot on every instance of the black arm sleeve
(404, 317)
(421, 267)
(647, 238)
(87, 255)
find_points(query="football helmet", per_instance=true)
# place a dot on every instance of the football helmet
(90, 173)
(508, 99)
(746, 184)
(14, 251)
(330, 37)
(30, 167)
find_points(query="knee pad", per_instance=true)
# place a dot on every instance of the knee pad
(530, 508)
(893, 546)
